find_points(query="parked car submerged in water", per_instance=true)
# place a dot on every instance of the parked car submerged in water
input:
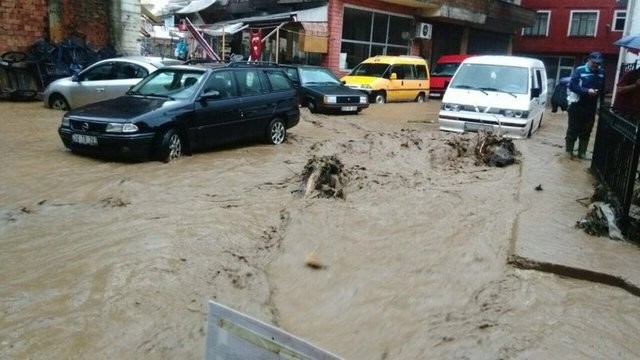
(102, 80)
(319, 89)
(184, 108)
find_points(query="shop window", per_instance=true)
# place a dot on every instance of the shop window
(376, 33)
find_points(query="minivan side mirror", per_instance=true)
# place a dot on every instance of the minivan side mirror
(393, 76)
(535, 92)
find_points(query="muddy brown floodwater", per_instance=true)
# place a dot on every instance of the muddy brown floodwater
(111, 260)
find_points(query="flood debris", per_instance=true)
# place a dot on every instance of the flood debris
(323, 176)
(495, 150)
(601, 220)
(489, 149)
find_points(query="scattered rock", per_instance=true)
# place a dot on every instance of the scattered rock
(313, 261)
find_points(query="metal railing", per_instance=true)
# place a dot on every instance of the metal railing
(615, 156)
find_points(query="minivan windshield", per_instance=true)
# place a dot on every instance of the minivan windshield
(487, 77)
(170, 83)
(370, 69)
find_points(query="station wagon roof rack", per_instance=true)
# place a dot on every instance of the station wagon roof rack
(253, 64)
(203, 61)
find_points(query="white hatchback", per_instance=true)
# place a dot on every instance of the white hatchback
(105, 79)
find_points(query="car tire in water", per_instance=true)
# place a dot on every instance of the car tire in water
(170, 146)
(311, 105)
(420, 98)
(379, 97)
(58, 102)
(276, 132)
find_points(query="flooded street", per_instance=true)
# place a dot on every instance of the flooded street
(109, 260)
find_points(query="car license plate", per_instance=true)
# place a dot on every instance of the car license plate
(349, 108)
(477, 127)
(84, 139)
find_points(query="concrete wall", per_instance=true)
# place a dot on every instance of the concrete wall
(127, 21)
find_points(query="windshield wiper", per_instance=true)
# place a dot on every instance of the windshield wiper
(160, 95)
(472, 88)
(133, 92)
(499, 90)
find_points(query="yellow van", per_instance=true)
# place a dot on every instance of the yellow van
(391, 78)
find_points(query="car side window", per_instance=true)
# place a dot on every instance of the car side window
(249, 82)
(293, 74)
(421, 72)
(223, 82)
(278, 80)
(100, 72)
(399, 70)
(409, 71)
(130, 71)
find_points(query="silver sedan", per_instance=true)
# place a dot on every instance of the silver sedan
(102, 80)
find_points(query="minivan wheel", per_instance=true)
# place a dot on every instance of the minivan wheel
(276, 132)
(380, 98)
(420, 98)
(170, 147)
(530, 129)
(58, 102)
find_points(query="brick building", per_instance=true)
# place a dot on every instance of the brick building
(566, 31)
(98, 22)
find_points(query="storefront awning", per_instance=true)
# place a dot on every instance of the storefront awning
(195, 6)
(315, 28)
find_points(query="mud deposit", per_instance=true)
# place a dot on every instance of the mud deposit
(110, 260)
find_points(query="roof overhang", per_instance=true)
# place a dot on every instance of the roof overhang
(195, 6)
(415, 4)
(499, 16)
(224, 29)
(319, 14)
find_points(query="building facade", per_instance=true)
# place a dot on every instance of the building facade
(565, 32)
(350, 31)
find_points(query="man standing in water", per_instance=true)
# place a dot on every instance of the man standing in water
(587, 89)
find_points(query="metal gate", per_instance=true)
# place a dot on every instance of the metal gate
(615, 157)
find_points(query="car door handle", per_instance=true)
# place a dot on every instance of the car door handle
(100, 89)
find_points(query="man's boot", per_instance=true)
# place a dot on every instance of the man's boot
(569, 146)
(582, 148)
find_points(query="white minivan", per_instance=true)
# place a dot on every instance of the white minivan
(505, 95)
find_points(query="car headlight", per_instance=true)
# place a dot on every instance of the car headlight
(450, 107)
(516, 113)
(121, 128)
(363, 99)
(65, 121)
(330, 99)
